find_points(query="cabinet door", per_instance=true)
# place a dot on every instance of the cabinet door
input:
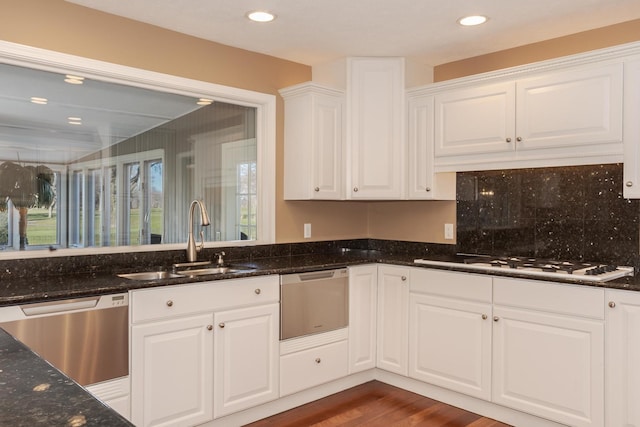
(631, 165)
(424, 183)
(477, 120)
(393, 319)
(172, 372)
(450, 344)
(622, 356)
(313, 142)
(549, 365)
(246, 358)
(362, 317)
(580, 107)
(376, 118)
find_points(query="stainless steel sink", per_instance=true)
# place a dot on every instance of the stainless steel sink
(151, 275)
(211, 271)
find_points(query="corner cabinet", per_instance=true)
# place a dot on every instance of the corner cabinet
(375, 128)
(204, 350)
(313, 142)
(541, 119)
(622, 356)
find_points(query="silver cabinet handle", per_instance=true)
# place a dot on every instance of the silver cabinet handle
(428, 188)
(484, 317)
(355, 189)
(169, 303)
(209, 327)
(318, 360)
(496, 318)
(316, 189)
(519, 139)
(221, 325)
(257, 291)
(508, 139)
(612, 304)
(629, 184)
(403, 278)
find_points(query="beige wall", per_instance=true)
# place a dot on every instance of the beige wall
(625, 32)
(65, 27)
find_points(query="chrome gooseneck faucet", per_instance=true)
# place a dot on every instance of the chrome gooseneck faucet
(192, 249)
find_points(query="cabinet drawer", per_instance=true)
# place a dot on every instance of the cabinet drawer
(170, 301)
(573, 300)
(467, 286)
(308, 368)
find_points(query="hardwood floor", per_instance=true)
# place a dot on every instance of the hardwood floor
(376, 404)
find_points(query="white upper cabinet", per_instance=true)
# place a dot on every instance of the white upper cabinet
(631, 167)
(423, 183)
(375, 123)
(313, 142)
(555, 118)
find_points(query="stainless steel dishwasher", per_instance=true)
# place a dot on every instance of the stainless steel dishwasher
(313, 302)
(86, 338)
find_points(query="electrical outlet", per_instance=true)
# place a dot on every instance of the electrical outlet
(448, 231)
(307, 231)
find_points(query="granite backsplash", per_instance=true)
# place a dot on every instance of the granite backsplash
(576, 213)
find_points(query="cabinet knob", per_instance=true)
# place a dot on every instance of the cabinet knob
(508, 139)
(612, 304)
(316, 189)
(221, 325)
(428, 188)
(318, 360)
(209, 327)
(257, 291)
(355, 189)
(519, 139)
(484, 317)
(403, 278)
(629, 184)
(496, 318)
(169, 303)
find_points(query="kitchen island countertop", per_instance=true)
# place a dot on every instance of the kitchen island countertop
(34, 393)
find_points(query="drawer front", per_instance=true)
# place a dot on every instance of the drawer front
(467, 286)
(572, 300)
(179, 300)
(315, 366)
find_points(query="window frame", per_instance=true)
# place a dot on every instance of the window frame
(265, 104)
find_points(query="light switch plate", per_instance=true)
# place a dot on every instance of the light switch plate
(307, 231)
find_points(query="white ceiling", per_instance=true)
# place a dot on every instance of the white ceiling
(319, 31)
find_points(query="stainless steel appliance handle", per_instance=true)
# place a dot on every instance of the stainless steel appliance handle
(59, 306)
(315, 275)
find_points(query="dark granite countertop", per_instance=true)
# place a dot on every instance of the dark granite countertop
(56, 286)
(34, 393)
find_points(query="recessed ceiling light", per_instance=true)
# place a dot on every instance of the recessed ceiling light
(261, 16)
(41, 101)
(204, 101)
(469, 21)
(74, 120)
(74, 80)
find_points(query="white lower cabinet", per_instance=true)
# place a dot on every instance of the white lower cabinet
(548, 350)
(362, 317)
(313, 360)
(246, 353)
(622, 356)
(203, 350)
(450, 331)
(172, 372)
(393, 319)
